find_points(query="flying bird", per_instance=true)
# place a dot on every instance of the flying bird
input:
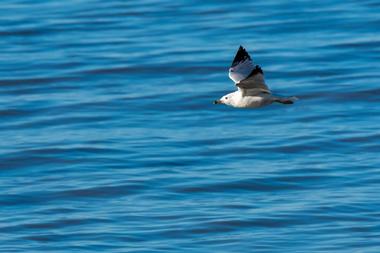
(251, 91)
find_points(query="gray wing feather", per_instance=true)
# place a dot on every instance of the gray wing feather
(247, 77)
(254, 81)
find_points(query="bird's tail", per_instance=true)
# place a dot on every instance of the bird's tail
(287, 101)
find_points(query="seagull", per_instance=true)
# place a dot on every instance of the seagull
(252, 92)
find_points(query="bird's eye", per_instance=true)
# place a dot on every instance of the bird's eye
(226, 98)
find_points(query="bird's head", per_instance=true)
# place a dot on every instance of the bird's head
(226, 99)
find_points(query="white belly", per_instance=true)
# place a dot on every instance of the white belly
(253, 101)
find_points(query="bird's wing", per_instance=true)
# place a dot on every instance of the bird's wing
(245, 74)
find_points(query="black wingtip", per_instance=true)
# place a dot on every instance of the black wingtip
(241, 55)
(256, 71)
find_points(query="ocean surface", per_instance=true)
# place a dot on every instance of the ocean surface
(110, 141)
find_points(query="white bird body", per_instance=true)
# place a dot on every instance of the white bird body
(237, 99)
(252, 91)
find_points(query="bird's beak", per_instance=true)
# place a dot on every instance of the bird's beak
(217, 102)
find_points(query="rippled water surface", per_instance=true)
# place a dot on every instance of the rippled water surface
(110, 141)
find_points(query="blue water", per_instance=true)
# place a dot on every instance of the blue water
(110, 141)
